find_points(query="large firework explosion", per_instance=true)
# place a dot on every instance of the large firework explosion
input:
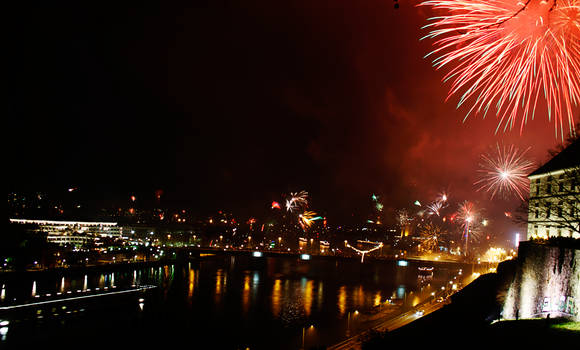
(509, 53)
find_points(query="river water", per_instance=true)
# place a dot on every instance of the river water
(215, 302)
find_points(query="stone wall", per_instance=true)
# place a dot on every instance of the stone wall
(546, 282)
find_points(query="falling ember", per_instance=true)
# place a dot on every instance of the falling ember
(509, 54)
(505, 171)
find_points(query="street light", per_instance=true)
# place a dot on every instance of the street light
(348, 321)
(303, 334)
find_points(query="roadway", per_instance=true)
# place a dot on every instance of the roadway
(355, 342)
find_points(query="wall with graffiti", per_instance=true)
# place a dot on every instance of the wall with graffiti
(546, 283)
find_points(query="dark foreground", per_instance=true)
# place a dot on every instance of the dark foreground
(533, 334)
(473, 319)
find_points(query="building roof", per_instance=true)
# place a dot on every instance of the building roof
(65, 223)
(568, 158)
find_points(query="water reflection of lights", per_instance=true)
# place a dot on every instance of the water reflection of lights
(276, 297)
(342, 300)
(320, 293)
(294, 299)
(359, 295)
(219, 283)
(192, 283)
(3, 329)
(401, 291)
(246, 294)
(307, 291)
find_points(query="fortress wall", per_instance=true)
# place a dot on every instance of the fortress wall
(546, 281)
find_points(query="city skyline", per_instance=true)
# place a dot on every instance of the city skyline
(231, 106)
(322, 174)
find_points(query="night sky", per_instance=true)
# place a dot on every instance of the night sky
(230, 104)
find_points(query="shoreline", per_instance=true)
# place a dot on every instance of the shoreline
(200, 253)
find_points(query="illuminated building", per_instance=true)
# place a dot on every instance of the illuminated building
(74, 232)
(324, 247)
(302, 244)
(554, 207)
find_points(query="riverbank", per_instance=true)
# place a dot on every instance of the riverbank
(180, 255)
(118, 266)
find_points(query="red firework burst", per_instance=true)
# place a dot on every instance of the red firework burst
(508, 53)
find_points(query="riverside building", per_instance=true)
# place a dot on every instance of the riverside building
(73, 232)
(554, 207)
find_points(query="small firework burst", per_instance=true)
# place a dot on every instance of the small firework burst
(297, 201)
(505, 172)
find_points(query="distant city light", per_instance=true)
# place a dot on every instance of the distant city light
(402, 263)
(257, 254)
(305, 257)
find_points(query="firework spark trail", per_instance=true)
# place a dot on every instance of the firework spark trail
(378, 205)
(507, 52)
(442, 197)
(297, 200)
(435, 208)
(467, 216)
(466, 213)
(307, 218)
(505, 172)
(439, 204)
